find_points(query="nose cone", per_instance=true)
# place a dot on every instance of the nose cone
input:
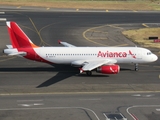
(154, 57)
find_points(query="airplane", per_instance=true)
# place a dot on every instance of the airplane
(102, 59)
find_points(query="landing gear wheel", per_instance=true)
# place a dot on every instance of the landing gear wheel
(89, 73)
(136, 67)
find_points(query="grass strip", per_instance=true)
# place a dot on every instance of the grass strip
(88, 4)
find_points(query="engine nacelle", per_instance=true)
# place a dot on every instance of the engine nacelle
(109, 69)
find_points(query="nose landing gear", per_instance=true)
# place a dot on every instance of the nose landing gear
(136, 67)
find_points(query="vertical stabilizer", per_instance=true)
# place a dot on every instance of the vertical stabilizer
(18, 38)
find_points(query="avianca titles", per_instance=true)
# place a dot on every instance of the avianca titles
(102, 59)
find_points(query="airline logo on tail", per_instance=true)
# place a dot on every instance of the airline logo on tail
(18, 38)
(21, 44)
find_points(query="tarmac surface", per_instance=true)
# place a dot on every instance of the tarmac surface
(131, 106)
(19, 75)
(32, 90)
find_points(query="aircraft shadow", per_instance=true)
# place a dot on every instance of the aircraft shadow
(64, 72)
(60, 76)
(57, 78)
(93, 75)
(26, 69)
(39, 69)
(125, 69)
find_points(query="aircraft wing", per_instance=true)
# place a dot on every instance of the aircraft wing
(66, 44)
(89, 65)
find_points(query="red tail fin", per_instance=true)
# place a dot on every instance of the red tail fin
(18, 38)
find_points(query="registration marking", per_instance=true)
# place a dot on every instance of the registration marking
(29, 100)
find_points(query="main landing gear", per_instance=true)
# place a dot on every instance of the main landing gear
(89, 73)
(136, 67)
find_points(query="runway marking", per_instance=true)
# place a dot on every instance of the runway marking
(4, 56)
(147, 70)
(113, 26)
(51, 108)
(54, 72)
(7, 59)
(136, 95)
(157, 66)
(92, 29)
(99, 31)
(112, 116)
(29, 100)
(91, 99)
(158, 110)
(135, 11)
(145, 25)
(99, 38)
(19, 7)
(121, 45)
(90, 39)
(140, 106)
(106, 116)
(38, 32)
(42, 41)
(135, 118)
(146, 98)
(25, 72)
(29, 105)
(73, 93)
(149, 95)
(2, 12)
(3, 19)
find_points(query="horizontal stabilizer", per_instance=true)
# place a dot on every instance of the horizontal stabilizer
(18, 53)
(17, 37)
(91, 64)
(97, 63)
(9, 46)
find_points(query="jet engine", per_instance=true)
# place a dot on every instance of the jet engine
(109, 69)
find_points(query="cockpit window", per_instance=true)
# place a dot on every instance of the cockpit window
(149, 53)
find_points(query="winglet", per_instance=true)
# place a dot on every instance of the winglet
(81, 70)
(59, 41)
(65, 44)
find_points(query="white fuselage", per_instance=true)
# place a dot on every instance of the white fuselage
(66, 55)
(103, 59)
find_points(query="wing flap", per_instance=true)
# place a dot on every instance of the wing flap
(9, 46)
(92, 65)
(89, 65)
(97, 63)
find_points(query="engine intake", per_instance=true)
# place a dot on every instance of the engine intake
(109, 69)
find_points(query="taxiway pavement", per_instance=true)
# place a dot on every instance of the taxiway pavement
(60, 92)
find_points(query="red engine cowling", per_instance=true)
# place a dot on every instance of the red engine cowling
(109, 69)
